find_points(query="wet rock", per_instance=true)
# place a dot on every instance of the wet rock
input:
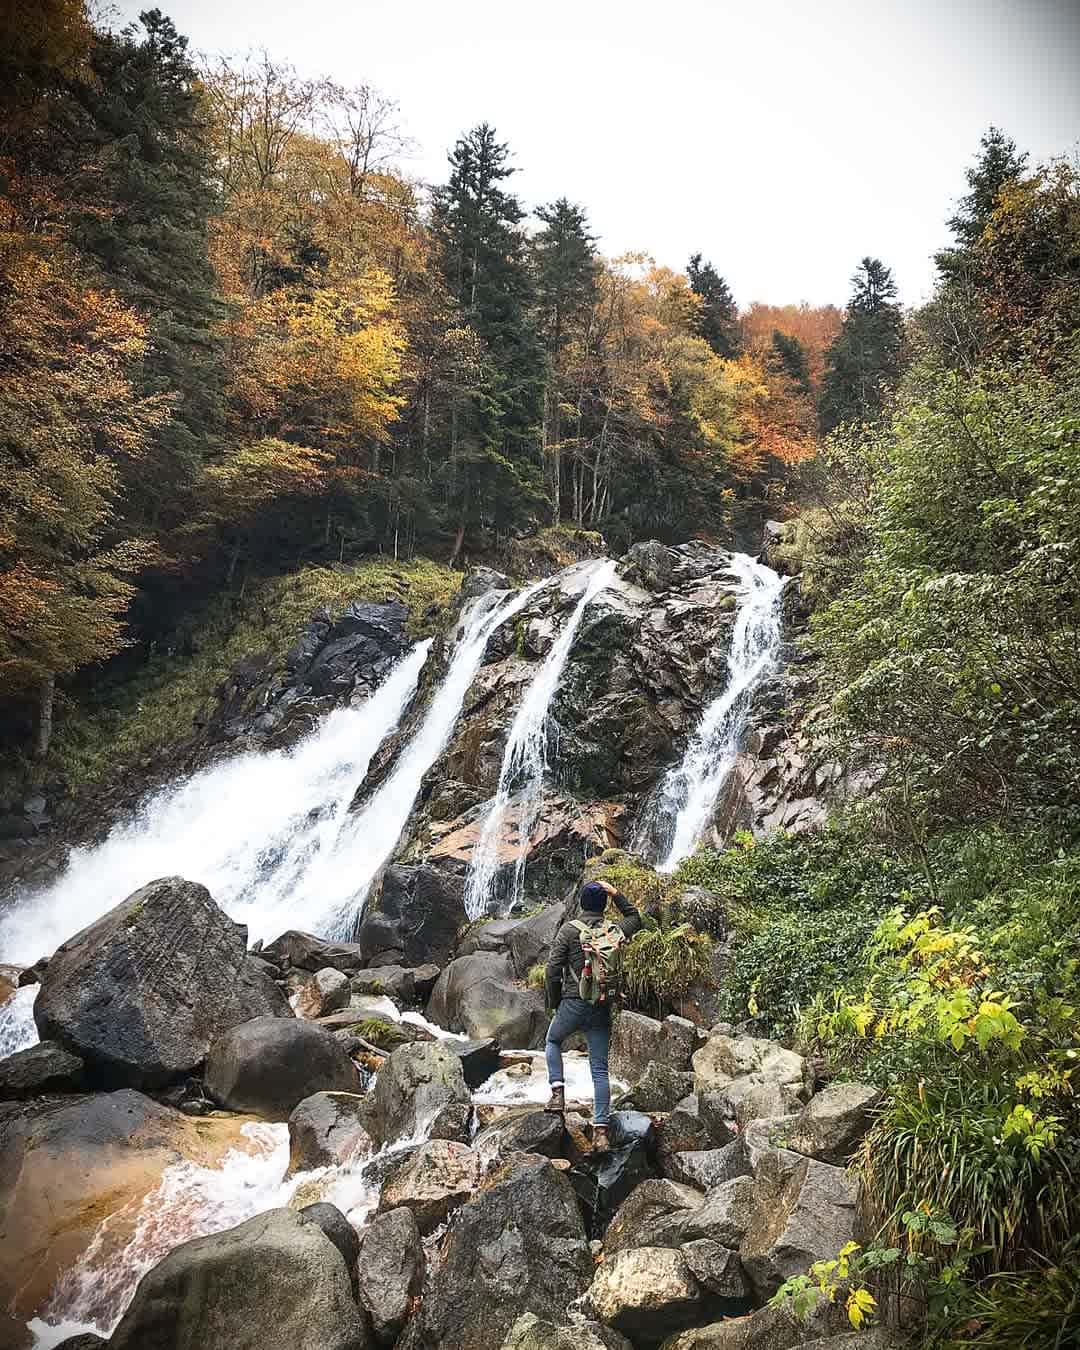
(326, 992)
(518, 1246)
(647, 1292)
(45, 1067)
(602, 1183)
(432, 1181)
(705, 1168)
(70, 1162)
(270, 1064)
(493, 936)
(530, 1333)
(304, 951)
(328, 1129)
(87, 1341)
(529, 1132)
(415, 918)
(140, 995)
(477, 995)
(834, 1122)
(480, 580)
(479, 1059)
(275, 1281)
(391, 1271)
(648, 1205)
(798, 1218)
(414, 1084)
(650, 564)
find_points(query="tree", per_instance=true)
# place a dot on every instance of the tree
(148, 236)
(564, 264)
(791, 357)
(718, 319)
(999, 163)
(862, 366)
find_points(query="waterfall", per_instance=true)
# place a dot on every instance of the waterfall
(251, 829)
(686, 799)
(18, 1030)
(524, 764)
(375, 830)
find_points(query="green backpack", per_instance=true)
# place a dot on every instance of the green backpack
(602, 946)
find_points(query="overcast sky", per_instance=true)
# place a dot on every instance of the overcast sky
(783, 139)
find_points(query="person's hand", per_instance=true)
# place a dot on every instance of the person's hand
(607, 886)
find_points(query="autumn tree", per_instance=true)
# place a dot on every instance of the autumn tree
(718, 317)
(863, 364)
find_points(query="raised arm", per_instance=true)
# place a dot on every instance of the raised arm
(631, 920)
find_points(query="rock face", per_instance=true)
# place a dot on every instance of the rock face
(269, 1065)
(327, 1129)
(415, 1083)
(517, 1247)
(647, 1292)
(638, 1041)
(833, 1122)
(390, 1271)
(477, 995)
(45, 1067)
(414, 919)
(140, 995)
(276, 1282)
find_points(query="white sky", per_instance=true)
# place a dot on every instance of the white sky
(783, 139)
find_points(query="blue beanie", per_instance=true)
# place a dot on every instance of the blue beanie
(593, 898)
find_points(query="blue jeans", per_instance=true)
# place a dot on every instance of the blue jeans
(574, 1014)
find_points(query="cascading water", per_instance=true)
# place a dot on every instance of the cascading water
(374, 831)
(18, 1030)
(524, 765)
(686, 799)
(249, 829)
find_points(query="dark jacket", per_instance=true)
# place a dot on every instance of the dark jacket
(566, 949)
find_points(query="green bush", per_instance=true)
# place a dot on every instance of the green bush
(661, 964)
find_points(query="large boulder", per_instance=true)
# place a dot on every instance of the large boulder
(328, 1129)
(724, 1058)
(67, 1163)
(725, 1215)
(390, 1271)
(432, 1181)
(404, 984)
(602, 1183)
(718, 1270)
(648, 1207)
(660, 1088)
(638, 1041)
(413, 1086)
(276, 1282)
(529, 1332)
(698, 1121)
(327, 991)
(646, 1292)
(415, 918)
(530, 940)
(304, 951)
(525, 1131)
(827, 1328)
(519, 1246)
(478, 996)
(270, 1064)
(798, 1217)
(834, 1122)
(45, 1067)
(141, 995)
(479, 1059)
(705, 1168)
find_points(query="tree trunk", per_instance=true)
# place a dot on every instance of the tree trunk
(43, 734)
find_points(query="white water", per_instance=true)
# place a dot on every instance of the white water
(18, 1031)
(375, 830)
(255, 830)
(525, 764)
(689, 792)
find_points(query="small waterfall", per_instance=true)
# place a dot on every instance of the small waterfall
(524, 765)
(18, 1030)
(686, 799)
(251, 829)
(374, 831)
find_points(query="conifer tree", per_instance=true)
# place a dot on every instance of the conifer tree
(863, 364)
(999, 163)
(718, 322)
(791, 357)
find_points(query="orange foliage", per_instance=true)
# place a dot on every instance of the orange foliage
(814, 325)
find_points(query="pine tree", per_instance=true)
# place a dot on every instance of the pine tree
(791, 357)
(718, 323)
(153, 169)
(863, 364)
(495, 474)
(999, 163)
(564, 263)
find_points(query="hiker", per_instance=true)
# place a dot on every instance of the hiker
(590, 947)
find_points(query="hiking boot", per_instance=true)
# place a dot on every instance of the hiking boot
(601, 1139)
(556, 1103)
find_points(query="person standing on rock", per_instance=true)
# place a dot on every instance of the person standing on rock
(586, 945)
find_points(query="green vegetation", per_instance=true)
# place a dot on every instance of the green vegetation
(661, 962)
(385, 1035)
(141, 718)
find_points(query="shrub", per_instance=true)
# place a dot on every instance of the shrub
(661, 964)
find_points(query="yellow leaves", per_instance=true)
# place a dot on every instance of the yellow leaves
(860, 1305)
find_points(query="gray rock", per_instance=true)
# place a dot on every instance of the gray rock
(762, 1137)
(776, 1329)
(390, 1271)
(648, 1292)
(648, 1204)
(725, 1215)
(432, 1181)
(637, 1041)
(530, 1333)
(270, 1064)
(834, 1122)
(479, 1059)
(328, 1129)
(140, 995)
(454, 1122)
(716, 1268)
(724, 1058)
(697, 1122)
(414, 1084)
(477, 995)
(326, 992)
(404, 984)
(518, 1246)
(751, 1101)
(45, 1067)
(530, 940)
(798, 1217)
(330, 1220)
(660, 1088)
(705, 1168)
(530, 1132)
(415, 918)
(87, 1341)
(304, 951)
(480, 580)
(275, 1282)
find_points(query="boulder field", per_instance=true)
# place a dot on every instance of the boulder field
(488, 1224)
